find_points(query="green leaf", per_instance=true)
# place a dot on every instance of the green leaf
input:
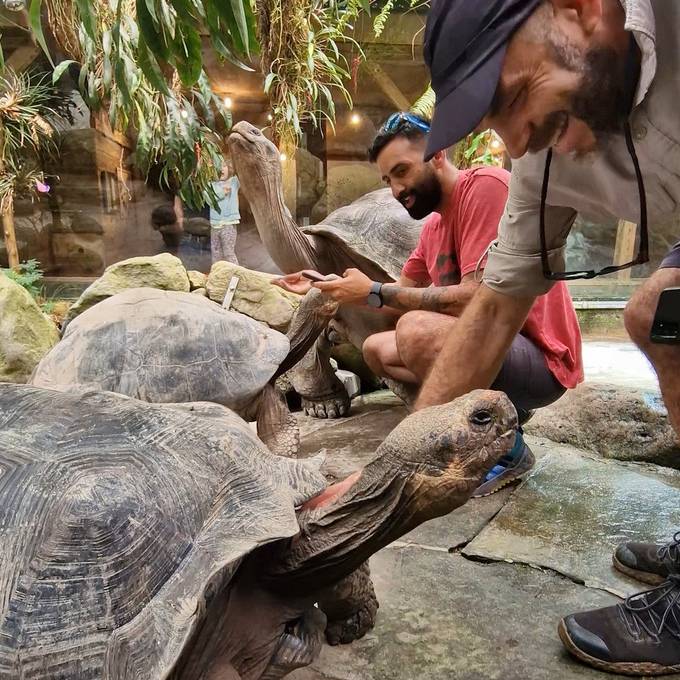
(87, 17)
(233, 13)
(366, 6)
(218, 33)
(187, 48)
(149, 66)
(268, 81)
(59, 71)
(36, 26)
(238, 7)
(151, 7)
(155, 41)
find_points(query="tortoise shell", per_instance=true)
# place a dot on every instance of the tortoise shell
(118, 519)
(164, 347)
(375, 227)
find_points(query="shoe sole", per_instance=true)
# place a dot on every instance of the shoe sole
(513, 475)
(644, 576)
(623, 668)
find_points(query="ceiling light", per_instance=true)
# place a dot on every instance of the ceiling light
(228, 103)
(284, 157)
(355, 119)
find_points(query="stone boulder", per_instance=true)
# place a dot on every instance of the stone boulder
(255, 296)
(165, 272)
(611, 421)
(197, 279)
(26, 334)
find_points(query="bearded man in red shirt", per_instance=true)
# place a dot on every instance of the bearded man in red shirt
(441, 276)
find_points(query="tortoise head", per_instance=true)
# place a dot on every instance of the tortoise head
(256, 160)
(428, 465)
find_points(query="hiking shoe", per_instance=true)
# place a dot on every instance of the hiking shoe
(641, 636)
(510, 468)
(649, 562)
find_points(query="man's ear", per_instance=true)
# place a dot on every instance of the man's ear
(586, 13)
(438, 159)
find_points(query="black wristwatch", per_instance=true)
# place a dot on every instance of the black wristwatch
(374, 298)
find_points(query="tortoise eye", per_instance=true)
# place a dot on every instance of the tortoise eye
(481, 418)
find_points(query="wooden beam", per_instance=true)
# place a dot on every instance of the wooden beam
(22, 57)
(387, 85)
(624, 251)
(10, 240)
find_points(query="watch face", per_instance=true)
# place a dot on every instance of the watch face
(374, 300)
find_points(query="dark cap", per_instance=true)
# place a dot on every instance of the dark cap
(465, 42)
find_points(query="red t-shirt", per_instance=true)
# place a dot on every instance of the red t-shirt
(451, 245)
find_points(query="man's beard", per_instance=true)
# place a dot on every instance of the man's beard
(427, 196)
(600, 101)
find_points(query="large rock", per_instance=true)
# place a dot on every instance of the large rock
(164, 272)
(255, 296)
(197, 279)
(611, 421)
(26, 334)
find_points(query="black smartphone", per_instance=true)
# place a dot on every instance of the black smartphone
(312, 276)
(666, 325)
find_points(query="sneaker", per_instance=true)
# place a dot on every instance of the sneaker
(639, 637)
(649, 562)
(510, 468)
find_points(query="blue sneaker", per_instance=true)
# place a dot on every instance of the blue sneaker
(510, 468)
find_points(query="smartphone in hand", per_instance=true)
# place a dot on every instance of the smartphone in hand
(312, 275)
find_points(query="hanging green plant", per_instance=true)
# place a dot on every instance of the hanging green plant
(300, 42)
(27, 126)
(140, 61)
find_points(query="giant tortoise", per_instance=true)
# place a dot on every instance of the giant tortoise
(167, 346)
(164, 541)
(374, 234)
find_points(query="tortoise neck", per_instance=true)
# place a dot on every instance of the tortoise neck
(289, 247)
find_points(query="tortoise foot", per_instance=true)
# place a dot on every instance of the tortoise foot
(347, 630)
(335, 406)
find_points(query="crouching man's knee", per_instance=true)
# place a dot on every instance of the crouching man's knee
(412, 338)
(638, 317)
(374, 352)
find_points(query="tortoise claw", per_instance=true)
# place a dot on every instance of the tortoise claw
(354, 627)
(333, 407)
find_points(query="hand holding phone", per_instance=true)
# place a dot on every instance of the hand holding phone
(312, 275)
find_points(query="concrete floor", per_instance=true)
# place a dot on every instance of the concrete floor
(477, 595)
(619, 363)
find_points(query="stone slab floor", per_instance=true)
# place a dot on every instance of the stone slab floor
(477, 595)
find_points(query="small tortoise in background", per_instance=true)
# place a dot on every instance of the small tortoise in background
(170, 347)
(164, 541)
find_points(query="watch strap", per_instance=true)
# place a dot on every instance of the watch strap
(376, 290)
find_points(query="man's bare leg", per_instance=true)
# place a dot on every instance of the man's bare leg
(381, 355)
(420, 337)
(638, 317)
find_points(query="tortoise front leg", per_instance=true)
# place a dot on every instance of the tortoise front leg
(350, 607)
(322, 393)
(276, 425)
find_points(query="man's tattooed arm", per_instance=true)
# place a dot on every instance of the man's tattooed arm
(445, 300)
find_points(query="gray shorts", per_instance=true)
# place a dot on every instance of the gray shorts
(672, 259)
(526, 378)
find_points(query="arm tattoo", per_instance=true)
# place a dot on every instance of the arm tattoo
(445, 300)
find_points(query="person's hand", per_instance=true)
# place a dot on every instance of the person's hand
(294, 283)
(353, 287)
